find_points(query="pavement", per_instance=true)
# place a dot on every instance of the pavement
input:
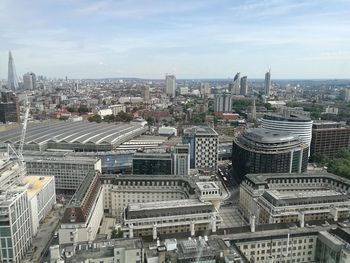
(107, 226)
(45, 235)
(230, 217)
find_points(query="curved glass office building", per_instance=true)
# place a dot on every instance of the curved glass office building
(262, 151)
(295, 124)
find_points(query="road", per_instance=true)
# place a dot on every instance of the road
(232, 187)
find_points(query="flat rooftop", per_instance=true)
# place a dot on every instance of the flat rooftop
(291, 117)
(207, 186)
(201, 130)
(281, 195)
(166, 204)
(264, 178)
(266, 136)
(35, 183)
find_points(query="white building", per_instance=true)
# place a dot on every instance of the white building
(170, 85)
(183, 90)
(29, 81)
(117, 108)
(166, 217)
(41, 196)
(295, 124)
(167, 131)
(347, 95)
(83, 215)
(204, 143)
(69, 173)
(130, 99)
(104, 112)
(119, 192)
(16, 226)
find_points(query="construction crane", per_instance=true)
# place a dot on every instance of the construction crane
(12, 152)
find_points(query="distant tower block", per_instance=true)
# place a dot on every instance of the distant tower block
(268, 83)
(12, 79)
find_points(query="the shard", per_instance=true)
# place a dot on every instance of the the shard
(12, 80)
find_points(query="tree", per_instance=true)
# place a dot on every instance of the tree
(150, 121)
(95, 118)
(83, 109)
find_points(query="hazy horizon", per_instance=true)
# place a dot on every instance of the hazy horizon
(198, 39)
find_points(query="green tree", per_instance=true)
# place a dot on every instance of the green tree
(95, 118)
(150, 121)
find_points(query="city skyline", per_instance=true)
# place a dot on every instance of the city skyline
(197, 39)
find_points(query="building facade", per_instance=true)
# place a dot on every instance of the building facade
(299, 198)
(120, 191)
(328, 138)
(41, 196)
(16, 227)
(69, 172)
(295, 124)
(203, 142)
(268, 84)
(166, 217)
(83, 214)
(9, 108)
(223, 102)
(244, 86)
(29, 81)
(170, 85)
(262, 151)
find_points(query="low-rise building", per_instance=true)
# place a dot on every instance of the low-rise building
(83, 214)
(175, 216)
(328, 138)
(69, 172)
(120, 191)
(283, 198)
(106, 251)
(41, 196)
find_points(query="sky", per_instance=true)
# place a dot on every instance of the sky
(189, 38)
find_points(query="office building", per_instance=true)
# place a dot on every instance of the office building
(170, 85)
(69, 172)
(83, 214)
(205, 89)
(152, 164)
(146, 94)
(29, 81)
(9, 108)
(120, 191)
(333, 246)
(273, 246)
(235, 85)
(16, 227)
(41, 196)
(182, 159)
(328, 138)
(223, 102)
(204, 142)
(262, 151)
(294, 198)
(292, 123)
(268, 83)
(165, 217)
(12, 79)
(106, 251)
(175, 162)
(347, 94)
(244, 86)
